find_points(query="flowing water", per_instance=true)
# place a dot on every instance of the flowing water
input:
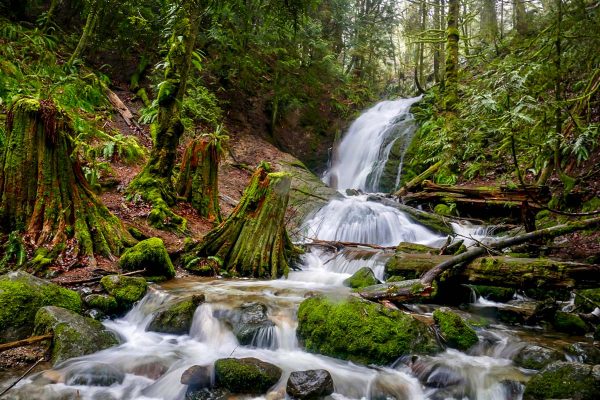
(153, 362)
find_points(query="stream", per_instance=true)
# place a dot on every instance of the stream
(153, 362)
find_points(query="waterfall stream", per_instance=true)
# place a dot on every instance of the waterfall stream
(153, 362)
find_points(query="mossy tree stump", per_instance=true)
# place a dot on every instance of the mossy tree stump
(253, 241)
(43, 190)
(198, 179)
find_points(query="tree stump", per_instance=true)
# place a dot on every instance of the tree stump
(253, 241)
(43, 190)
(198, 179)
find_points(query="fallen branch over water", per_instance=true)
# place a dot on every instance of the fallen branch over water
(423, 288)
(340, 245)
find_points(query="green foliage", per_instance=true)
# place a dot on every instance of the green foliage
(200, 106)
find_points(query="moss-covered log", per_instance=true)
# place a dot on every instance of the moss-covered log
(198, 179)
(253, 241)
(43, 190)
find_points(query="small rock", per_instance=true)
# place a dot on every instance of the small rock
(151, 369)
(208, 394)
(536, 357)
(103, 302)
(125, 289)
(362, 278)
(198, 376)
(586, 353)
(454, 329)
(151, 255)
(176, 318)
(311, 384)
(569, 323)
(442, 377)
(98, 374)
(247, 321)
(246, 375)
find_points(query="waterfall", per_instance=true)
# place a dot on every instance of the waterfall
(364, 151)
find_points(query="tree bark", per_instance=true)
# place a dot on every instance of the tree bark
(489, 21)
(451, 80)
(198, 180)
(88, 31)
(252, 241)
(520, 17)
(44, 192)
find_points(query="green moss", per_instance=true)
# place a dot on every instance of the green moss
(125, 289)
(414, 248)
(396, 278)
(177, 318)
(105, 303)
(444, 209)
(454, 329)
(246, 375)
(494, 293)
(21, 295)
(591, 294)
(569, 323)
(360, 331)
(149, 254)
(564, 380)
(136, 233)
(362, 278)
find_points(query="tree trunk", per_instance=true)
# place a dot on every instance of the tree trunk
(154, 183)
(451, 81)
(198, 179)
(253, 241)
(43, 192)
(88, 31)
(520, 17)
(436, 46)
(489, 21)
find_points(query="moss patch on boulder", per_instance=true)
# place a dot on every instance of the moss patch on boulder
(246, 375)
(565, 380)
(362, 278)
(74, 335)
(569, 323)
(177, 317)
(21, 294)
(151, 255)
(494, 293)
(457, 333)
(125, 289)
(361, 331)
(105, 303)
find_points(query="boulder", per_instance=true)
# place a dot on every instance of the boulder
(208, 394)
(586, 353)
(74, 335)
(125, 289)
(151, 255)
(105, 303)
(198, 376)
(97, 374)
(455, 331)
(311, 384)
(494, 293)
(361, 331)
(536, 357)
(21, 294)
(177, 317)
(246, 375)
(565, 380)
(246, 321)
(569, 323)
(362, 278)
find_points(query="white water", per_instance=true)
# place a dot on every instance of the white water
(154, 362)
(364, 150)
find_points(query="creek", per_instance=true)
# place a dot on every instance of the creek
(153, 362)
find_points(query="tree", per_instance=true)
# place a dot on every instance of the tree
(451, 80)
(91, 22)
(489, 21)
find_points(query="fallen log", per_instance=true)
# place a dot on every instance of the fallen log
(416, 181)
(25, 342)
(97, 278)
(123, 110)
(424, 287)
(340, 245)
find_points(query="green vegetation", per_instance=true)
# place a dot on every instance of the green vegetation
(176, 318)
(246, 375)
(360, 331)
(455, 331)
(125, 289)
(562, 380)
(362, 278)
(151, 255)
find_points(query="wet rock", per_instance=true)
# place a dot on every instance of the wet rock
(247, 321)
(353, 192)
(387, 386)
(586, 353)
(414, 248)
(102, 302)
(585, 305)
(246, 375)
(311, 384)
(125, 289)
(21, 294)
(31, 392)
(451, 392)
(151, 255)
(536, 357)
(362, 278)
(441, 377)
(176, 318)
(455, 331)
(494, 293)
(361, 331)
(74, 335)
(564, 380)
(208, 394)
(569, 323)
(198, 376)
(513, 390)
(152, 369)
(98, 374)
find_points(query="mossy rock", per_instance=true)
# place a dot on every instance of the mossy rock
(125, 289)
(565, 380)
(21, 294)
(395, 278)
(361, 331)
(74, 335)
(584, 305)
(569, 323)
(457, 333)
(105, 303)
(494, 293)
(151, 255)
(246, 375)
(536, 357)
(362, 278)
(414, 248)
(177, 317)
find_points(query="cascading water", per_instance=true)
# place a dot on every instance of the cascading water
(152, 363)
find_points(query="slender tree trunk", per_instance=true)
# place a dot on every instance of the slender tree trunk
(489, 21)
(436, 46)
(88, 30)
(451, 81)
(520, 17)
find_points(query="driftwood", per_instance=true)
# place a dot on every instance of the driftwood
(424, 287)
(416, 181)
(123, 110)
(97, 278)
(12, 385)
(340, 245)
(25, 342)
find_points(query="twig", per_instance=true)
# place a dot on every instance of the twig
(592, 302)
(22, 376)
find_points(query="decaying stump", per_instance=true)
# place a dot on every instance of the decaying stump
(198, 179)
(252, 241)
(43, 190)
